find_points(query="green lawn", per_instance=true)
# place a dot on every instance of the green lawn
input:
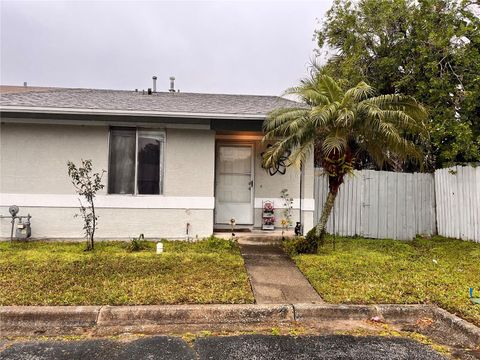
(363, 271)
(61, 273)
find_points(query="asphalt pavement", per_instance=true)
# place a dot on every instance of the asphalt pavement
(254, 347)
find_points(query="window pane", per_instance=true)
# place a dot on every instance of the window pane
(149, 155)
(121, 170)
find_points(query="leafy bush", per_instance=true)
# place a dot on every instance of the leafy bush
(138, 244)
(290, 247)
(299, 245)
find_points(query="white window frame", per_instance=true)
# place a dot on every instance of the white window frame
(162, 135)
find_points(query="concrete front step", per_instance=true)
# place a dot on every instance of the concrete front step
(257, 236)
(264, 240)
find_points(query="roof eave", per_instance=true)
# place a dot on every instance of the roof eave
(200, 115)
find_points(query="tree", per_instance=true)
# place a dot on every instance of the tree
(428, 49)
(342, 126)
(86, 184)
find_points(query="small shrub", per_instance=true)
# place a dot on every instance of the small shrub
(304, 245)
(290, 247)
(138, 244)
(314, 241)
(299, 245)
(87, 184)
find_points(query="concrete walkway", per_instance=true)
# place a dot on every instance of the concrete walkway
(274, 277)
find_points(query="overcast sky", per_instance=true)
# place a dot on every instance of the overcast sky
(220, 47)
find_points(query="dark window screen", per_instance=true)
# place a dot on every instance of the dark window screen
(121, 169)
(148, 171)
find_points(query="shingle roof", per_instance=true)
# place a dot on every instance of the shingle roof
(6, 89)
(131, 101)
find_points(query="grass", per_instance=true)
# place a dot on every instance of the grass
(61, 273)
(365, 271)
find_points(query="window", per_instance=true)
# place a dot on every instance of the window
(135, 163)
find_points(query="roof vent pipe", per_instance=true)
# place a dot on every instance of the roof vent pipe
(154, 78)
(172, 84)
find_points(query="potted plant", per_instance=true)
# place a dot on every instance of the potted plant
(268, 216)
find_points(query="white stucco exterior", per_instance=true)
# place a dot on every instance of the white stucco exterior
(33, 175)
(269, 188)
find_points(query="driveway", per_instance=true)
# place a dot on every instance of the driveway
(255, 347)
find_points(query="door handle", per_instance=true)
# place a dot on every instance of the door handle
(250, 185)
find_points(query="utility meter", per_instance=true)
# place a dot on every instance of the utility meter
(23, 231)
(13, 210)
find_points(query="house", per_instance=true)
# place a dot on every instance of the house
(178, 164)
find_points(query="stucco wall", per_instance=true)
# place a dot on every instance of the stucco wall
(34, 157)
(268, 187)
(60, 223)
(33, 175)
(189, 163)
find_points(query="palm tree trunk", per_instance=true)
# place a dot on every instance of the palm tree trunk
(316, 236)
(321, 227)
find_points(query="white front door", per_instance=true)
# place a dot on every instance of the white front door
(234, 184)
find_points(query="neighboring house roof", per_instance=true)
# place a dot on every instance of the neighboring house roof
(175, 104)
(7, 89)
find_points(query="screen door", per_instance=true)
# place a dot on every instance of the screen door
(234, 184)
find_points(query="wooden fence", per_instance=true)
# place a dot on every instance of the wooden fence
(380, 204)
(458, 202)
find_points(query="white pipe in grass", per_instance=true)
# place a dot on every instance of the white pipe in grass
(159, 248)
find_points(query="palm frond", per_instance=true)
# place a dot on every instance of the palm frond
(358, 93)
(308, 94)
(407, 104)
(345, 118)
(379, 126)
(324, 115)
(404, 121)
(278, 119)
(301, 153)
(329, 87)
(334, 143)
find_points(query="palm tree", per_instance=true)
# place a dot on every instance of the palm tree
(342, 127)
